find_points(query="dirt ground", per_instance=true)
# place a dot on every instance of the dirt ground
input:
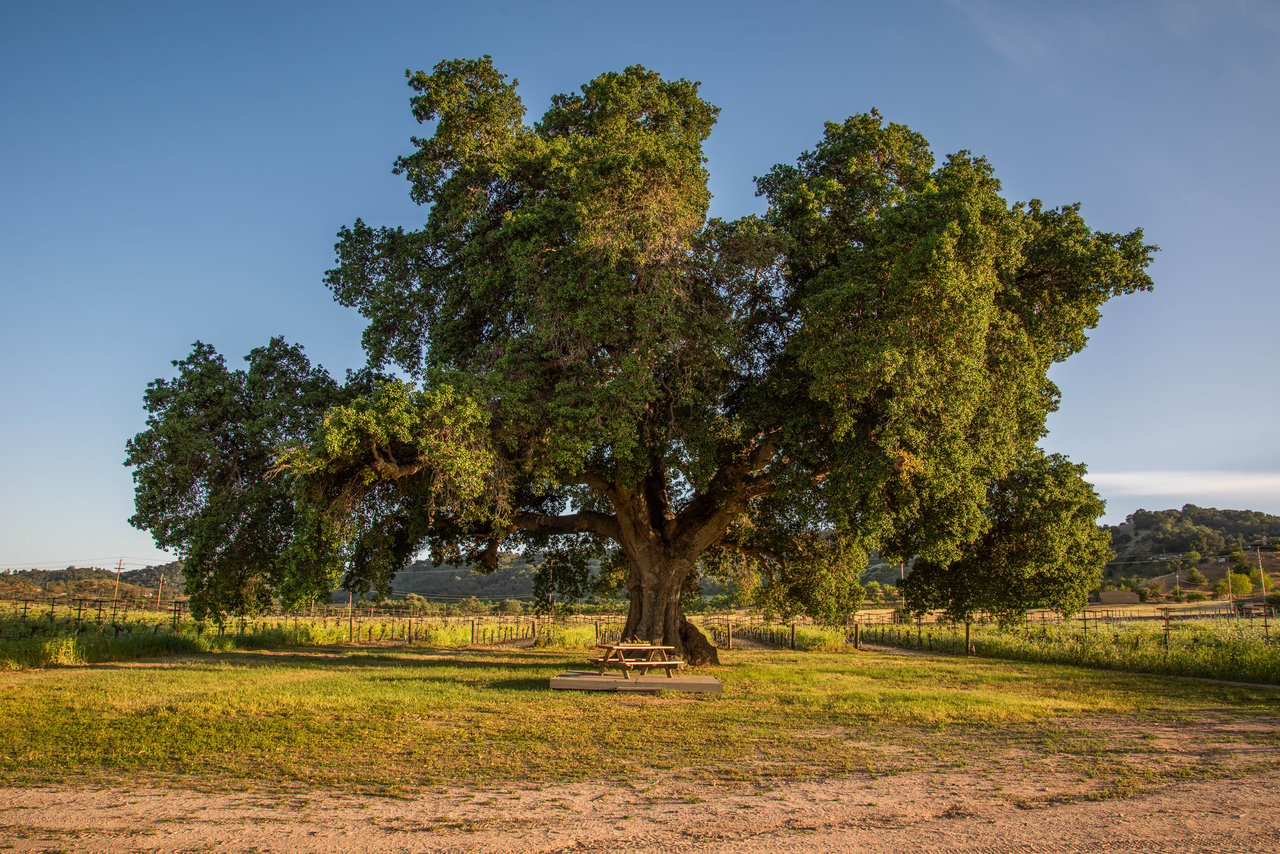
(918, 811)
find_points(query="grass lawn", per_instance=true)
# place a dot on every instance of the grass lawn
(390, 722)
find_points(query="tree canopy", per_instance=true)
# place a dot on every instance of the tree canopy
(1043, 549)
(569, 356)
(201, 474)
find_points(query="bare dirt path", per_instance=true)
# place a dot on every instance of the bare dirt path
(919, 811)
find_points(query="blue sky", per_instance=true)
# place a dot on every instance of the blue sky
(172, 172)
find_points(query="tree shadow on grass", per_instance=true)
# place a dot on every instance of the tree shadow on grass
(540, 684)
(338, 658)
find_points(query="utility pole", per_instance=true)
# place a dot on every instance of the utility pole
(116, 592)
(1262, 582)
(1231, 590)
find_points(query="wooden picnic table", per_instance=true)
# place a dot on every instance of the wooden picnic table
(636, 656)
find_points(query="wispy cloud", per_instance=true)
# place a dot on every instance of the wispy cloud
(997, 25)
(1189, 484)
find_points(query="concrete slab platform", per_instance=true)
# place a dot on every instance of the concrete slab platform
(591, 680)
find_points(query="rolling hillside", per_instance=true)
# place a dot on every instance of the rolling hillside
(1147, 540)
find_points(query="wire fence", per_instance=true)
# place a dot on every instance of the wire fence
(1222, 642)
(44, 616)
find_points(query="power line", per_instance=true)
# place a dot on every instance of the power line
(85, 563)
(446, 597)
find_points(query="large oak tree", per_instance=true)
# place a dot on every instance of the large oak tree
(576, 360)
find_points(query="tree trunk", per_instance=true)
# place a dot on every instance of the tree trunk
(655, 614)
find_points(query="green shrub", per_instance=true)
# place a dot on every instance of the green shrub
(1234, 584)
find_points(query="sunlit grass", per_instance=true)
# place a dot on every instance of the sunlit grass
(394, 719)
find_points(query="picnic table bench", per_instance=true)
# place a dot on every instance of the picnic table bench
(636, 656)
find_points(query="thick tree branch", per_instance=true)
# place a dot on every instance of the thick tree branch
(710, 513)
(585, 522)
(598, 484)
(657, 500)
(388, 468)
(731, 543)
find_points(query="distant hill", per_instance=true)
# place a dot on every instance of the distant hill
(512, 580)
(92, 581)
(1208, 530)
(1147, 539)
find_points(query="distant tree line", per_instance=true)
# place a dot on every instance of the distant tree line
(92, 581)
(1207, 530)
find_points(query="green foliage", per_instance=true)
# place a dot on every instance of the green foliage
(1234, 584)
(1197, 577)
(567, 636)
(737, 574)
(598, 372)
(820, 579)
(1043, 549)
(472, 605)
(202, 474)
(550, 279)
(64, 644)
(378, 473)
